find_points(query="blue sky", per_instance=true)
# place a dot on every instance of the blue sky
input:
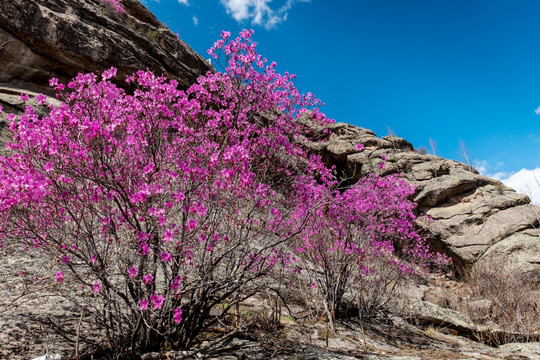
(448, 70)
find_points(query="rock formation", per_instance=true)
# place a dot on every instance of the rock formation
(473, 218)
(40, 39)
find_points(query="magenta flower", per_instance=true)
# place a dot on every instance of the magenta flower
(176, 283)
(53, 82)
(144, 249)
(133, 272)
(143, 304)
(360, 147)
(157, 301)
(41, 99)
(177, 315)
(148, 279)
(60, 277)
(166, 257)
(93, 258)
(192, 224)
(96, 287)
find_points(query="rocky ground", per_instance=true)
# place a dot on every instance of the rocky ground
(423, 329)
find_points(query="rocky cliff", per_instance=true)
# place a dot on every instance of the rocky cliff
(40, 39)
(472, 218)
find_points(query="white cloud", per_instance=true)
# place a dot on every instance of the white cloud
(184, 2)
(490, 170)
(258, 11)
(526, 182)
(195, 20)
(537, 111)
(481, 166)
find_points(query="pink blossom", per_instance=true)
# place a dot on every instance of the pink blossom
(41, 99)
(148, 279)
(132, 272)
(96, 287)
(53, 82)
(60, 277)
(166, 257)
(157, 301)
(176, 283)
(177, 315)
(143, 304)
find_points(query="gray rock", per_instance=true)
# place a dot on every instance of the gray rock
(520, 249)
(430, 313)
(524, 350)
(40, 39)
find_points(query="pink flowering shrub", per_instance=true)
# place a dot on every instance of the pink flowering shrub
(162, 205)
(115, 4)
(361, 239)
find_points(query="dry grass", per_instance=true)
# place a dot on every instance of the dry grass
(502, 299)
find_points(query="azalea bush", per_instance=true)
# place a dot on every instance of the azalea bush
(162, 209)
(163, 203)
(361, 240)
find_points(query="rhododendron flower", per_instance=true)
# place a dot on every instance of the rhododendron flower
(59, 277)
(144, 249)
(133, 271)
(148, 279)
(165, 256)
(360, 147)
(41, 99)
(177, 315)
(157, 301)
(192, 224)
(176, 283)
(96, 287)
(53, 82)
(143, 304)
(116, 5)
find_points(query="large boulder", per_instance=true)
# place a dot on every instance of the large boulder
(40, 39)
